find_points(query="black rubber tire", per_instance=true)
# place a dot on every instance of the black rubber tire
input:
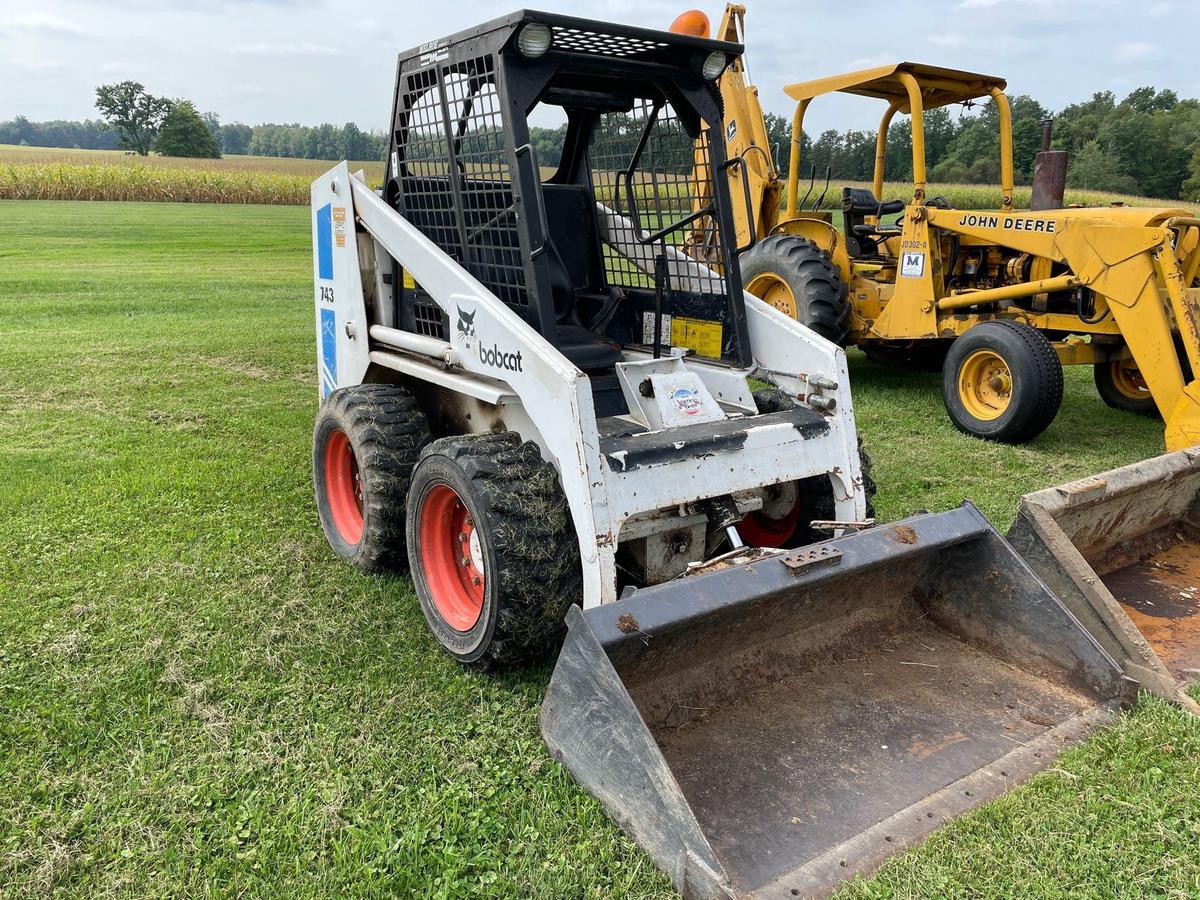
(532, 570)
(1037, 381)
(1116, 398)
(386, 430)
(922, 356)
(815, 282)
(816, 493)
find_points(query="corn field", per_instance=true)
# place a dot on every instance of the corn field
(36, 173)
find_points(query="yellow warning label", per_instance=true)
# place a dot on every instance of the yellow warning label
(409, 283)
(696, 334)
(339, 225)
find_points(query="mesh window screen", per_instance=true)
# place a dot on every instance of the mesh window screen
(670, 181)
(456, 179)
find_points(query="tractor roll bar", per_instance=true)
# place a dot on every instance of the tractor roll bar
(916, 110)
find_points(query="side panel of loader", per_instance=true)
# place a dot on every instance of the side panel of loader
(772, 727)
(1122, 550)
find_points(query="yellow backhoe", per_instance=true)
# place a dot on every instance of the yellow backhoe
(998, 300)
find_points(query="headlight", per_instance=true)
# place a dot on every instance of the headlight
(714, 65)
(534, 40)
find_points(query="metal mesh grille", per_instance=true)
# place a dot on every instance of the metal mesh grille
(671, 180)
(456, 174)
(579, 40)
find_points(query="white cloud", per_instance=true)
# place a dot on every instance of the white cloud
(39, 23)
(1158, 10)
(1133, 51)
(949, 40)
(265, 49)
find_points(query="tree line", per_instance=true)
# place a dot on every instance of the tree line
(1147, 143)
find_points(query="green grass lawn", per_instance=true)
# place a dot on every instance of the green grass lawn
(196, 698)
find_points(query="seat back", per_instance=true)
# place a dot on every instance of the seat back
(574, 246)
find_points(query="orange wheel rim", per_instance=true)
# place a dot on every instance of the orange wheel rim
(451, 557)
(343, 487)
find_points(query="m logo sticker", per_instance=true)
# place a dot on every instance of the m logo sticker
(912, 265)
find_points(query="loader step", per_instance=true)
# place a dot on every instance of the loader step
(626, 452)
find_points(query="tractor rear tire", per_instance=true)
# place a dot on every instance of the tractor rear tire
(366, 440)
(492, 549)
(784, 521)
(1002, 382)
(1120, 385)
(799, 279)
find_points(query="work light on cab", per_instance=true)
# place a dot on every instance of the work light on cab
(534, 40)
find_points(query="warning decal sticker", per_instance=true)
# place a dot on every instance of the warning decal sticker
(703, 337)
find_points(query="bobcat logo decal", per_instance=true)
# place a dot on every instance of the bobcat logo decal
(466, 326)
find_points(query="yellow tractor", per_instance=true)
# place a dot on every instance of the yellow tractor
(998, 300)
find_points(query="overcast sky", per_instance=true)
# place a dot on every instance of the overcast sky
(311, 61)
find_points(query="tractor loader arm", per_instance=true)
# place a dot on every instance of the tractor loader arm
(1137, 271)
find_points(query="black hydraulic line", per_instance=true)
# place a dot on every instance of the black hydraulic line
(660, 286)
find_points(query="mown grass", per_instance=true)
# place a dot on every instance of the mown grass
(196, 698)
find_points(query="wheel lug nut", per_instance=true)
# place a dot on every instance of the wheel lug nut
(462, 538)
(476, 580)
(465, 562)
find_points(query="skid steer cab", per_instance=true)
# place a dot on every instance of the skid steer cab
(998, 300)
(542, 403)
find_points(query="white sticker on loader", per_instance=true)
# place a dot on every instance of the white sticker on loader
(912, 265)
(648, 329)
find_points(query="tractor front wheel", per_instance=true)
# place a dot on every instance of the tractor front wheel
(1121, 385)
(492, 548)
(365, 443)
(1002, 381)
(799, 279)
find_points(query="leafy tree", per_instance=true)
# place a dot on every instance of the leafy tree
(779, 139)
(184, 133)
(1079, 123)
(1191, 187)
(1146, 99)
(1095, 169)
(236, 138)
(213, 122)
(133, 113)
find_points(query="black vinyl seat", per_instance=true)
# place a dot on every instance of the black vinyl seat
(575, 267)
(863, 238)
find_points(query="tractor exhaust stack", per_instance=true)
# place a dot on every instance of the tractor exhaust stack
(773, 726)
(1122, 551)
(1049, 174)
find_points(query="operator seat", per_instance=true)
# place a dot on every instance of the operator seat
(863, 239)
(573, 257)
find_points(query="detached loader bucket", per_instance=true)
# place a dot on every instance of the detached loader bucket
(1122, 551)
(773, 727)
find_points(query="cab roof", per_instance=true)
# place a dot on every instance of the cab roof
(940, 87)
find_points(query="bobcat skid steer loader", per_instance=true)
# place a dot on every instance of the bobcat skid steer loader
(537, 404)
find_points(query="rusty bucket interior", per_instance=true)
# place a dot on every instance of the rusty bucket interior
(773, 727)
(1122, 549)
